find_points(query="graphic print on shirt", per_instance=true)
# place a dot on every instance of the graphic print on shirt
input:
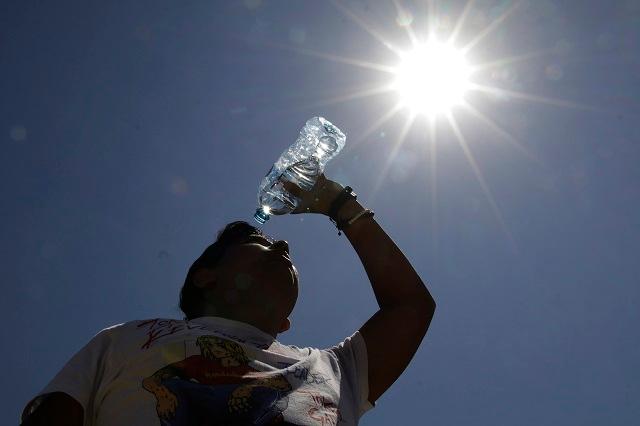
(217, 385)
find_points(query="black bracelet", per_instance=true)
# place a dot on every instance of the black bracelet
(346, 194)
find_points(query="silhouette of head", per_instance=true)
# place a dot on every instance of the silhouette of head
(245, 276)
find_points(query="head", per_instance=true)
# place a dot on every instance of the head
(245, 276)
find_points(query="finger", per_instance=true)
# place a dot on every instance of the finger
(296, 211)
(292, 188)
(296, 191)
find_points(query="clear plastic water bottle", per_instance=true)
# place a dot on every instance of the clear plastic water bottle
(319, 141)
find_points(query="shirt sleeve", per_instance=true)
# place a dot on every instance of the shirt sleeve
(80, 376)
(352, 357)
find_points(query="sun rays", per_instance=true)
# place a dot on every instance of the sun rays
(451, 82)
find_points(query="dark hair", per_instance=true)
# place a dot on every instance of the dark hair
(192, 297)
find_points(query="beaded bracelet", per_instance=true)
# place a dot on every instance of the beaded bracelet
(363, 213)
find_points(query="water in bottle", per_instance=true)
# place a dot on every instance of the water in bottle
(319, 141)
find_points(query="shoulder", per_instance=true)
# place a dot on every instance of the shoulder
(353, 343)
(139, 325)
(295, 350)
(143, 323)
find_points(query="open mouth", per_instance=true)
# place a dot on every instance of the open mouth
(282, 256)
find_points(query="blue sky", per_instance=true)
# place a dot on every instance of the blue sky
(133, 132)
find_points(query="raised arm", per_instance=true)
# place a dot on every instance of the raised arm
(393, 334)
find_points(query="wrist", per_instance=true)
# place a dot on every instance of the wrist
(329, 194)
(349, 210)
(345, 209)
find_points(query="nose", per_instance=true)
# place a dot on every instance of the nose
(281, 245)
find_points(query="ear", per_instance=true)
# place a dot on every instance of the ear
(286, 325)
(204, 277)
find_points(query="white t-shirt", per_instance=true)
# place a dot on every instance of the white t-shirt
(212, 370)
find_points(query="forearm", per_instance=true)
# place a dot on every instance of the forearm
(394, 281)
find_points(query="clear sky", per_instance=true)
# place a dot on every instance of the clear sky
(133, 131)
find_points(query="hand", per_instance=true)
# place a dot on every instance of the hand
(166, 405)
(318, 199)
(239, 401)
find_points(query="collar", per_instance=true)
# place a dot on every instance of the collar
(236, 330)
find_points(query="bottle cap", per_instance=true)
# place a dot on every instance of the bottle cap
(261, 216)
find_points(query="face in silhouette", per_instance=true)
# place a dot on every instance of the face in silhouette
(254, 282)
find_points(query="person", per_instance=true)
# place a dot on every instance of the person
(223, 365)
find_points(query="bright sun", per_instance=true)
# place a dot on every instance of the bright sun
(432, 78)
